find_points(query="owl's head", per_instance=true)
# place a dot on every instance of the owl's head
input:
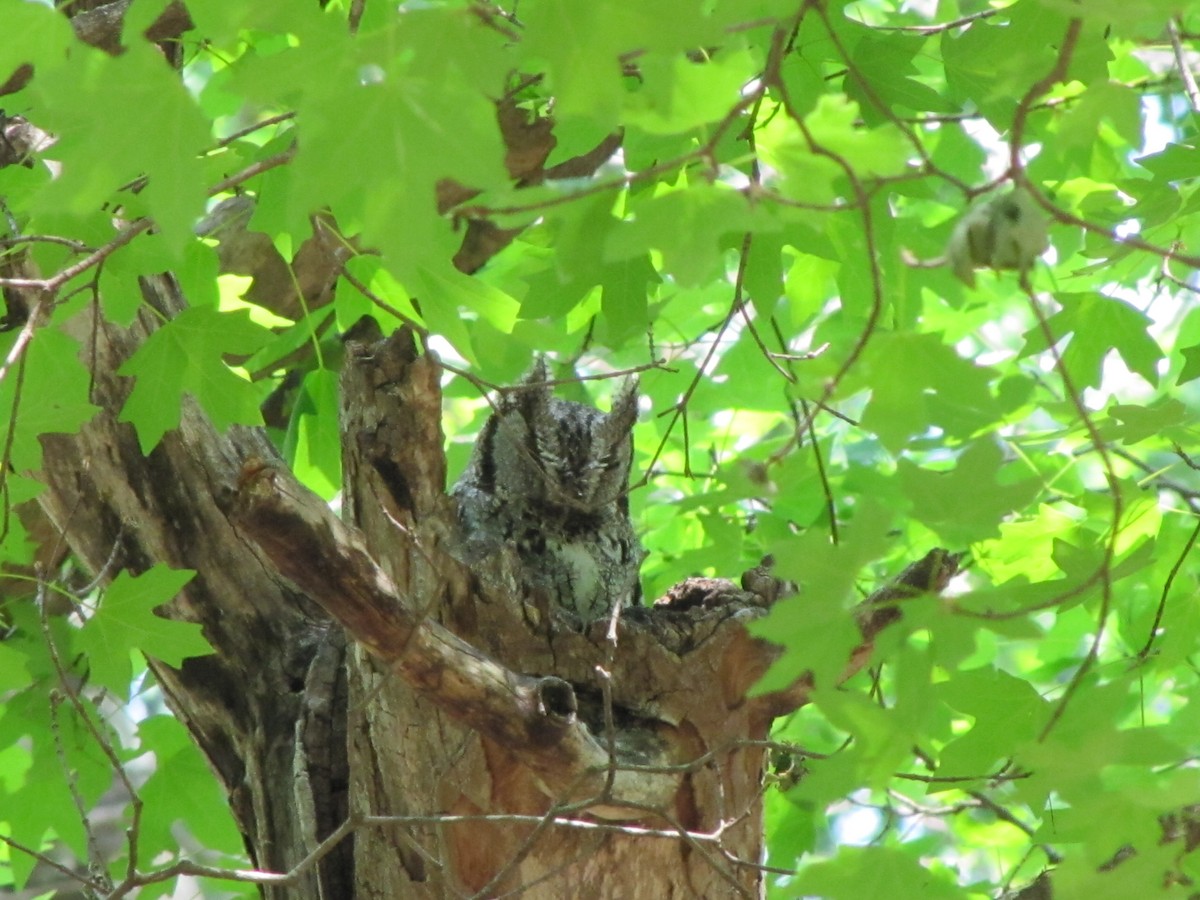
(565, 454)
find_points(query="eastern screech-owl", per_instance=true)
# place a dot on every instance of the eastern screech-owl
(549, 478)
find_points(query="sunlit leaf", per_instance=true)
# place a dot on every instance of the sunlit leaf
(125, 622)
(185, 356)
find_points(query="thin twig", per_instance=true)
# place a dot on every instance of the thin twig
(253, 170)
(250, 129)
(1104, 571)
(940, 26)
(52, 284)
(1185, 73)
(52, 863)
(1152, 632)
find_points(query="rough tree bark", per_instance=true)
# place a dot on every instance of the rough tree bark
(624, 769)
(387, 723)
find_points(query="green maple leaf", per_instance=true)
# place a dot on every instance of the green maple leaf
(886, 62)
(834, 127)
(815, 627)
(379, 104)
(185, 356)
(181, 788)
(578, 46)
(967, 503)
(126, 622)
(1007, 713)
(313, 436)
(38, 800)
(14, 669)
(857, 872)
(625, 286)
(679, 94)
(917, 381)
(1099, 324)
(1138, 422)
(992, 65)
(687, 226)
(99, 105)
(1176, 163)
(446, 292)
(1191, 364)
(53, 399)
(802, 157)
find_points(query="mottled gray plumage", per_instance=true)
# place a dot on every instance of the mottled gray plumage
(549, 479)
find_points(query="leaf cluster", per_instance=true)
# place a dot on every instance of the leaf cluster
(749, 204)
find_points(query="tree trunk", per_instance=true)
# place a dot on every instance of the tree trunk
(582, 836)
(471, 748)
(387, 723)
(265, 707)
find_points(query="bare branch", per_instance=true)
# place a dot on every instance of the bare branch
(533, 717)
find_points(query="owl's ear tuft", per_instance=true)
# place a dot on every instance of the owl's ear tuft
(623, 414)
(533, 394)
(538, 373)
